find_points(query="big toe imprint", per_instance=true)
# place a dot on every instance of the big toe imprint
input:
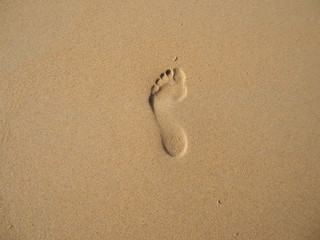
(169, 89)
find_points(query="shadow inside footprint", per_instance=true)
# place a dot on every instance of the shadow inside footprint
(151, 102)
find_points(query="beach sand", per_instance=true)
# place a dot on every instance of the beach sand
(228, 149)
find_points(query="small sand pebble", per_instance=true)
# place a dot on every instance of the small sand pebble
(175, 59)
(219, 202)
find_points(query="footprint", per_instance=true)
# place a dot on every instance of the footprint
(168, 90)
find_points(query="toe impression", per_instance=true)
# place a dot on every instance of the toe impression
(179, 76)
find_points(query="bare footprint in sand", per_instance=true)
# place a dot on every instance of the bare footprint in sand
(168, 90)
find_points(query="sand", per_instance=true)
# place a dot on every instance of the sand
(236, 155)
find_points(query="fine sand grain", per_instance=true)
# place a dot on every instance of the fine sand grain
(226, 144)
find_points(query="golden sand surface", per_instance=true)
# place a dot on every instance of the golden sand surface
(161, 119)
